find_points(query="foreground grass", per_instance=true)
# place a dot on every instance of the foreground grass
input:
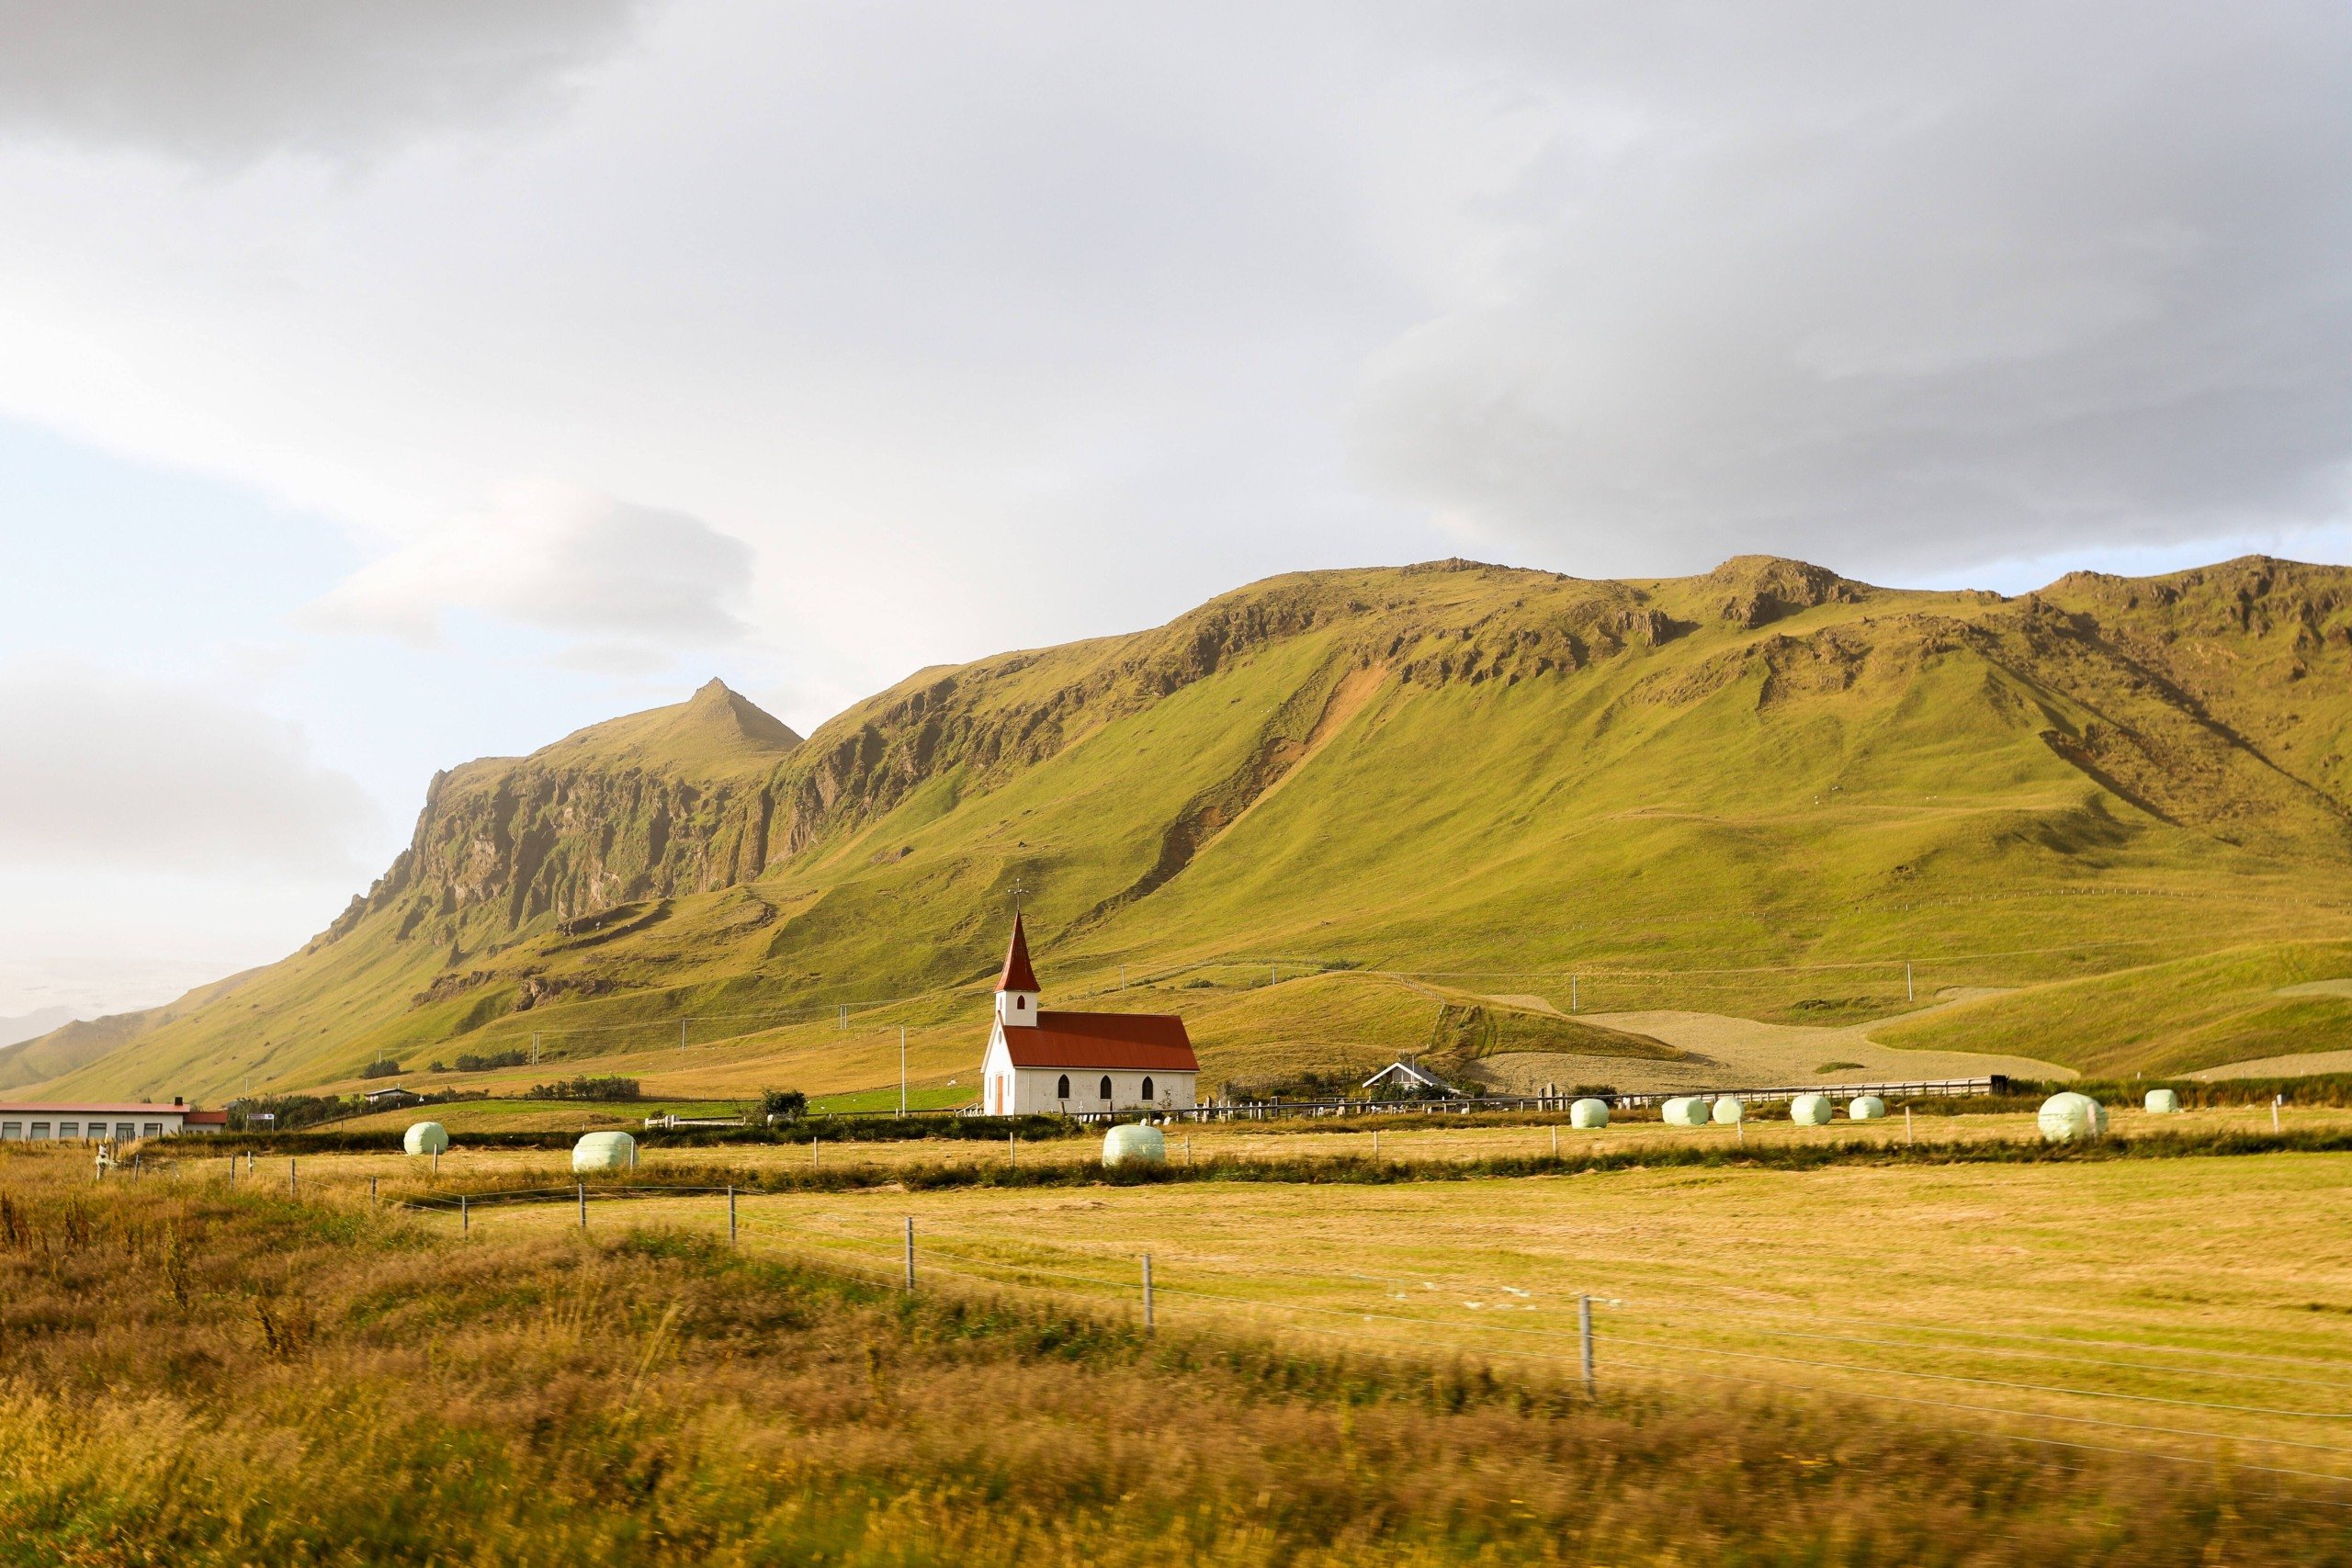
(206, 1376)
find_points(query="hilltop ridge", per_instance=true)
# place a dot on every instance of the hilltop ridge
(1448, 768)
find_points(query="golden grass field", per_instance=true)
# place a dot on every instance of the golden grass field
(2189, 1307)
(197, 1373)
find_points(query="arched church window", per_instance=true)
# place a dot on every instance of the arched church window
(1106, 1086)
(1021, 1004)
(1061, 1087)
(1147, 1088)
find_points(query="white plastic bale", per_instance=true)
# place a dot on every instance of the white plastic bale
(2160, 1101)
(1865, 1108)
(1685, 1110)
(1729, 1109)
(425, 1138)
(603, 1151)
(1811, 1110)
(1132, 1143)
(1589, 1114)
(2069, 1118)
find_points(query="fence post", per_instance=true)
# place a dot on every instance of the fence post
(730, 1216)
(1555, 1140)
(436, 1164)
(465, 1216)
(1584, 1334)
(911, 1252)
(1375, 1145)
(290, 1179)
(1148, 1327)
(1011, 1154)
(581, 1188)
(2275, 1101)
(371, 1189)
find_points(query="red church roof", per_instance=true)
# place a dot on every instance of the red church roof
(1139, 1041)
(1017, 975)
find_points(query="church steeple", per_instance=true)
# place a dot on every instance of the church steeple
(1016, 985)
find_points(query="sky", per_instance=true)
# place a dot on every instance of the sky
(399, 381)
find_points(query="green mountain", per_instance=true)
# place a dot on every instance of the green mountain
(1438, 807)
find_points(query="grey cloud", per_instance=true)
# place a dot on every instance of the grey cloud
(624, 580)
(1897, 288)
(125, 772)
(233, 80)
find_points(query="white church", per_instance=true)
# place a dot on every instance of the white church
(1042, 1063)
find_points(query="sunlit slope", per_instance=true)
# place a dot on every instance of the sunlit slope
(2170, 1018)
(1764, 791)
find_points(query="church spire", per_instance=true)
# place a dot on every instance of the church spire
(1017, 975)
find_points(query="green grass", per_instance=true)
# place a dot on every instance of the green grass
(1478, 780)
(2174, 1017)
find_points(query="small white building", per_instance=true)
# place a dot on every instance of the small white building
(1048, 1063)
(103, 1124)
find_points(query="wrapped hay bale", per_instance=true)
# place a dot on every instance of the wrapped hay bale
(1589, 1114)
(1684, 1110)
(2070, 1118)
(2161, 1103)
(1729, 1109)
(1132, 1143)
(1811, 1110)
(605, 1150)
(425, 1138)
(1865, 1108)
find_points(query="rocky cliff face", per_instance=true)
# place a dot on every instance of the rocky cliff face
(672, 801)
(2215, 697)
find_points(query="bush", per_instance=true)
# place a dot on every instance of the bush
(585, 1088)
(387, 1068)
(292, 1110)
(515, 1058)
(783, 1104)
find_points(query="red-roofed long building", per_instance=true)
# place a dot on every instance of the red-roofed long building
(1044, 1062)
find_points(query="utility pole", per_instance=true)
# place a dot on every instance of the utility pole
(1909, 994)
(535, 1047)
(681, 1035)
(1572, 993)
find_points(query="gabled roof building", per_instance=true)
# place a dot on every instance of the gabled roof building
(1043, 1062)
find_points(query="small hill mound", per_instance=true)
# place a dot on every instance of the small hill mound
(716, 731)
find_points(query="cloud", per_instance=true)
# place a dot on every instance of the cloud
(118, 772)
(623, 581)
(1905, 288)
(232, 79)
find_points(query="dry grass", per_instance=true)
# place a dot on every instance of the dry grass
(195, 1375)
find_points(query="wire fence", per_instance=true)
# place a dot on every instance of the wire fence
(1643, 1341)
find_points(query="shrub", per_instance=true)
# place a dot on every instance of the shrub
(468, 1063)
(385, 1069)
(585, 1088)
(783, 1104)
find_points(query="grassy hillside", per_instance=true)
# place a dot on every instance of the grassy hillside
(2234, 1005)
(1763, 791)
